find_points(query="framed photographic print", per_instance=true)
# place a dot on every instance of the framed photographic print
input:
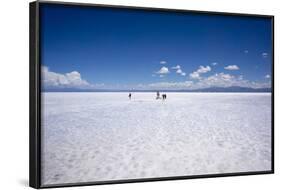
(130, 94)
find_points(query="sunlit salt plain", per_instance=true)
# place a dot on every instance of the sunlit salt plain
(105, 136)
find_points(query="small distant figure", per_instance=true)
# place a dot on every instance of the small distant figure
(164, 96)
(130, 96)
(157, 95)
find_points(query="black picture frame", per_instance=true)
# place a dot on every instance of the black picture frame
(35, 97)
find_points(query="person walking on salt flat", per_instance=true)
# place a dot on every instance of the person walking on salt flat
(157, 95)
(130, 96)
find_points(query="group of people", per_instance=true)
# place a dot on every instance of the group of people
(164, 96)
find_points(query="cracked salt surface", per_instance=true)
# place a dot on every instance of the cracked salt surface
(105, 136)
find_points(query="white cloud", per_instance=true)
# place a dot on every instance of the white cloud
(53, 79)
(227, 80)
(223, 80)
(217, 80)
(214, 63)
(200, 70)
(176, 67)
(232, 67)
(203, 69)
(163, 70)
(267, 76)
(220, 77)
(179, 71)
(194, 75)
(163, 62)
(74, 80)
(264, 55)
(170, 85)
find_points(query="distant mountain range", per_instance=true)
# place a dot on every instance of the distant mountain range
(211, 89)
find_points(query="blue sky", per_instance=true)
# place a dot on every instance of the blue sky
(108, 48)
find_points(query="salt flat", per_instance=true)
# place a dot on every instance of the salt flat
(105, 136)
